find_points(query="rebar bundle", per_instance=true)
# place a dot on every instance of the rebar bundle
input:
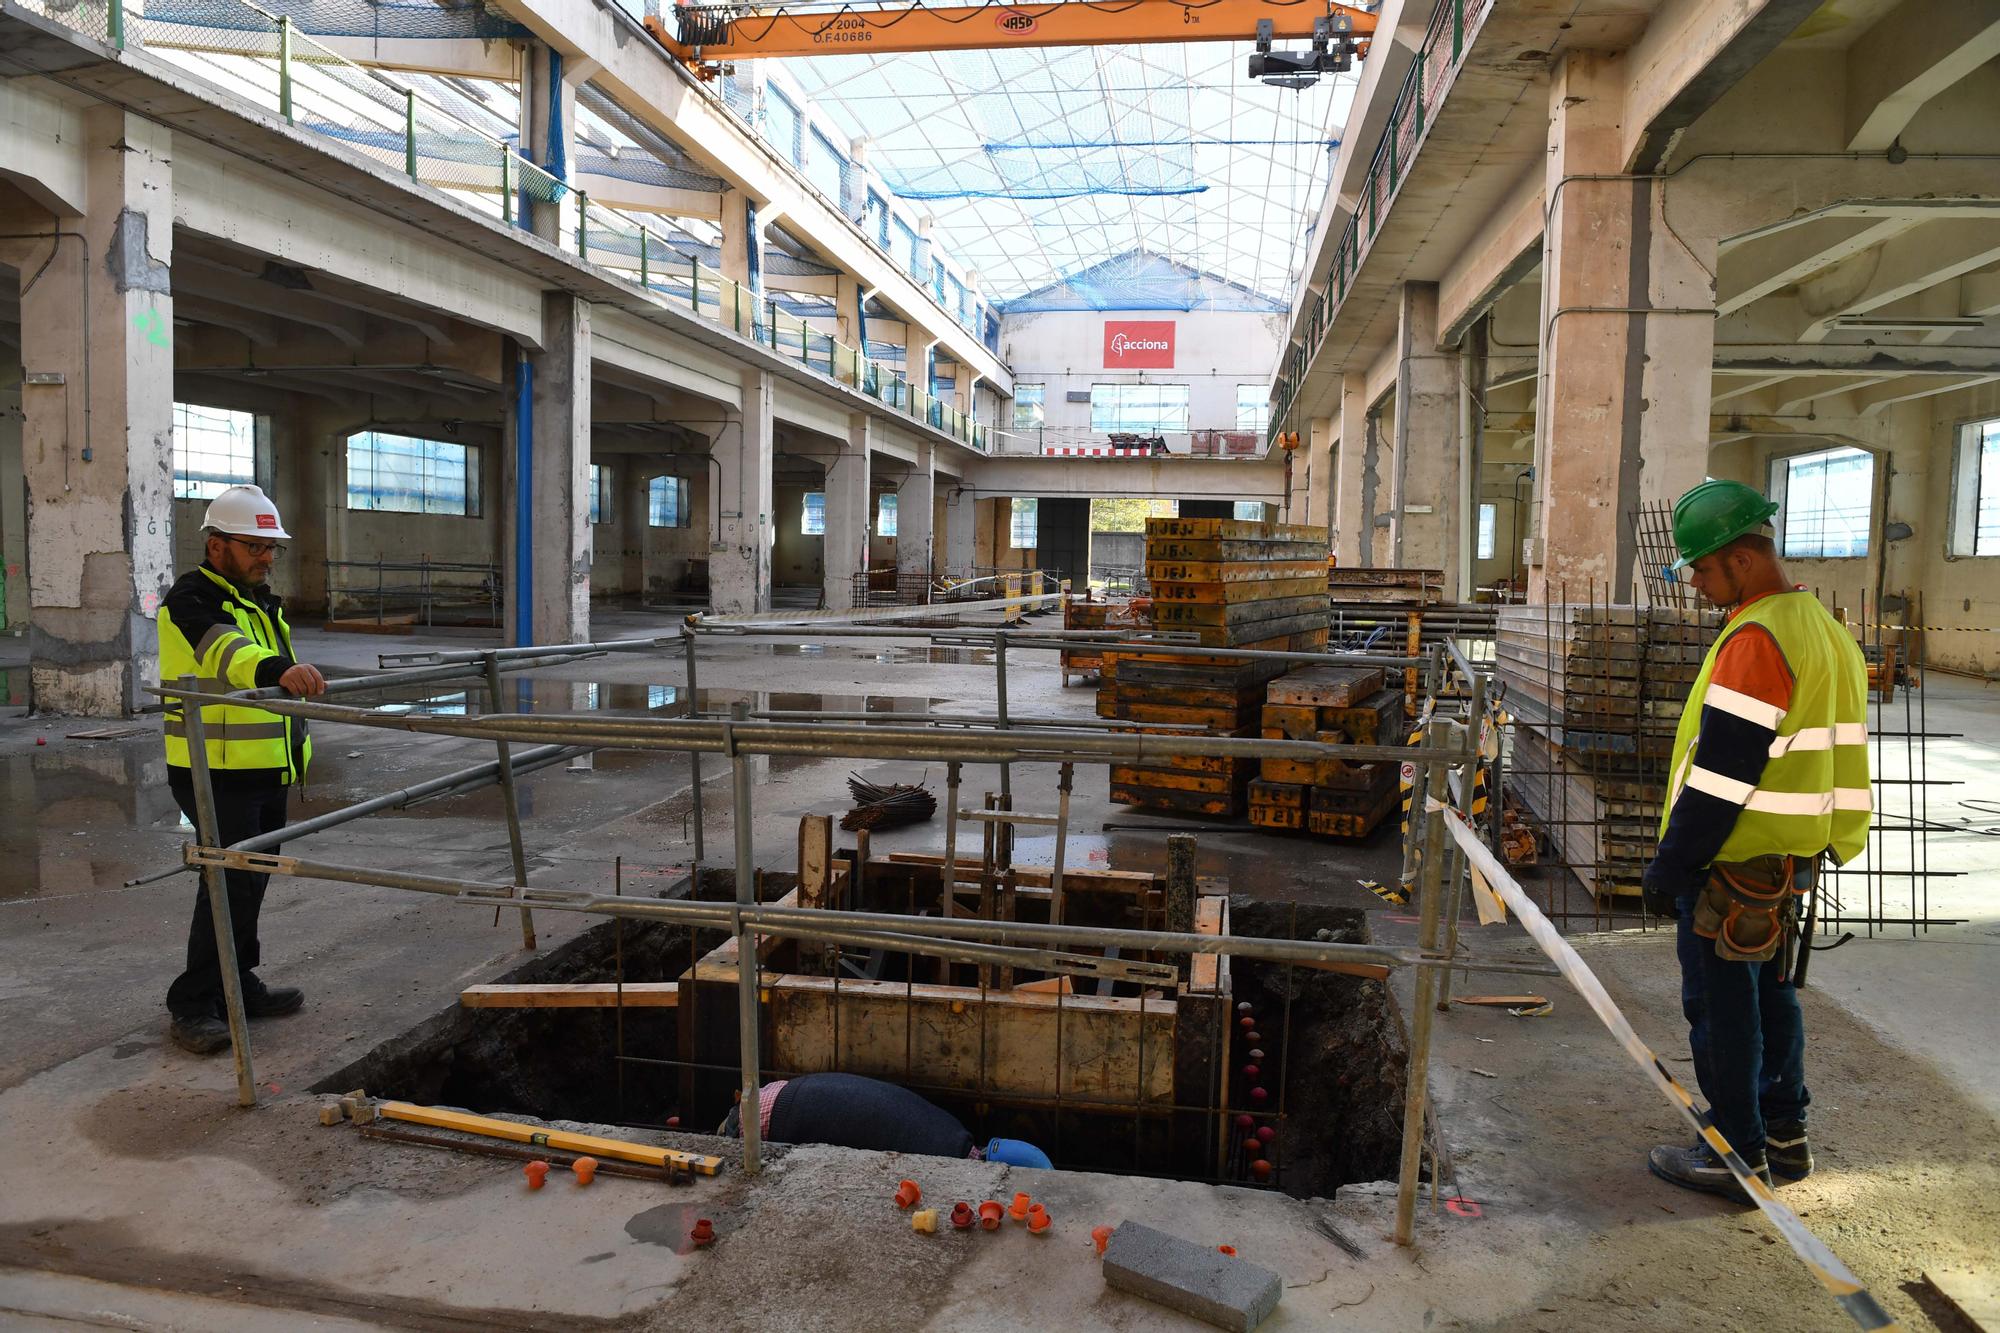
(892, 806)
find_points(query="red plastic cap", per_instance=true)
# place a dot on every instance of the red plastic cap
(1038, 1220)
(536, 1172)
(1229, 1250)
(907, 1194)
(1261, 1169)
(702, 1232)
(961, 1215)
(1100, 1237)
(585, 1168)
(1265, 1133)
(989, 1214)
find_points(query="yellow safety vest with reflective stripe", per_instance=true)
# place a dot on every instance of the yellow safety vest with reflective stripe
(223, 658)
(1813, 795)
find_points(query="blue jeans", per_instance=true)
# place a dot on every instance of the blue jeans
(1748, 1036)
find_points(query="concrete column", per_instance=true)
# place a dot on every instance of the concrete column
(308, 467)
(551, 560)
(1424, 528)
(847, 310)
(961, 531)
(97, 354)
(13, 506)
(915, 503)
(849, 518)
(1627, 342)
(548, 130)
(630, 517)
(739, 560)
(1316, 459)
(1355, 483)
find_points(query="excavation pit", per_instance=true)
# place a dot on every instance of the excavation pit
(1104, 1074)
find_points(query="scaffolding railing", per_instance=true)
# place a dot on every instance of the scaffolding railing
(249, 52)
(1423, 92)
(382, 590)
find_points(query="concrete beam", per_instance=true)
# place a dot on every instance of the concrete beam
(1688, 58)
(1754, 269)
(40, 146)
(1168, 478)
(1979, 294)
(1879, 397)
(1911, 263)
(221, 282)
(1926, 47)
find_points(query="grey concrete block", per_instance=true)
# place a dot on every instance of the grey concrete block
(1197, 1280)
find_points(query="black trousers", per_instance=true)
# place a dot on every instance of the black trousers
(240, 812)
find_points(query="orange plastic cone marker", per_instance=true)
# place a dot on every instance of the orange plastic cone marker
(989, 1215)
(1038, 1221)
(1019, 1210)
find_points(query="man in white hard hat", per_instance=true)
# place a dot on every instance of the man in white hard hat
(222, 624)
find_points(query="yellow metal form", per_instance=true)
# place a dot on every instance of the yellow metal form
(715, 34)
(616, 1149)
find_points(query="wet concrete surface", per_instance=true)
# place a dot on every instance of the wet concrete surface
(144, 1175)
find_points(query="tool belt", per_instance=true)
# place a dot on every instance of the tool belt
(1749, 907)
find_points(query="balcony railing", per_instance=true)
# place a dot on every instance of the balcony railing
(1422, 93)
(246, 51)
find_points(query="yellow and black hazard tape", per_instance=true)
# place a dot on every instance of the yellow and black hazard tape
(1489, 876)
(1391, 894)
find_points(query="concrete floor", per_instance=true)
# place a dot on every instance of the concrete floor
(141, 1197)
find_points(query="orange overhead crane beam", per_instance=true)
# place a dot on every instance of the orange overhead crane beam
(716, 34)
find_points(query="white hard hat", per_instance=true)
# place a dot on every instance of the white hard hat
(245, 511)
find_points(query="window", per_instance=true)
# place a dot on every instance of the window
(812, 514)
(1029, 410)
(781, 125)
(1489, 522)
(666, 502)
(1021, 532)
(1253, 406)
(662, 696)
(885, 516)
(406, 475)
(1248, 511)
(877, 223)
(825, 167)
(1144, 408)
(1975, 492)
(905, 251)
(214, 449)
(600, 490)
(1824, 503)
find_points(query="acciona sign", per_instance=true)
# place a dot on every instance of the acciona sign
(1139, 345)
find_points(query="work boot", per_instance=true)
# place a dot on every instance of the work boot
(261, 1001)
(1786, 1147)
(1699, 1168)
(203, 1034)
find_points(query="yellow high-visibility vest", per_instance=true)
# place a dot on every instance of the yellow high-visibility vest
(1813, 795)
(225, 658)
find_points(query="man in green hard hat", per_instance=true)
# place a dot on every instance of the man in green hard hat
(1769, 773)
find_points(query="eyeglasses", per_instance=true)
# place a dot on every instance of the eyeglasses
(271, 549)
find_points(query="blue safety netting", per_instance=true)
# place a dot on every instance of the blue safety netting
(1141, 281)
(345, 18)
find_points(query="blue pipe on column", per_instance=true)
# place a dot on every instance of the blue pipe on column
(558, 161)
(524, 503)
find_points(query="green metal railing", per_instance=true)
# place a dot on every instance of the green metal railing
(1423, 91)
(263, 58)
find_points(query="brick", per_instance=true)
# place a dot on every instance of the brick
(1197, 1280)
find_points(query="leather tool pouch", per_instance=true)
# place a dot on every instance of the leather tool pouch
(1746, 907)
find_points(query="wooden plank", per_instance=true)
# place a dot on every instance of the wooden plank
(1112, 1049)
(815, 859)
(1377, 720)
(1218, 593)
(573, 995)
(1325, 687)
(1501, 1001)
(1974, 1295)
(514, 1131)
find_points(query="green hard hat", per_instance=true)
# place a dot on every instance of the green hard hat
(1714, 514)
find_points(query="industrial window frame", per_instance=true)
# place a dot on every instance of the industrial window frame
(666, 501)
(433, 465)
(1031, 406)
(812, 514)
(774, 99)
(877, 208)
(885, 514)
(1253, 407)
(1489, 530)
(820, 154)
(906, 241)
(1809, 526)
(1024, 524)
(231, 460)
(1975, 491)
(1247, 511)
(1146, 407)
(600, 478)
